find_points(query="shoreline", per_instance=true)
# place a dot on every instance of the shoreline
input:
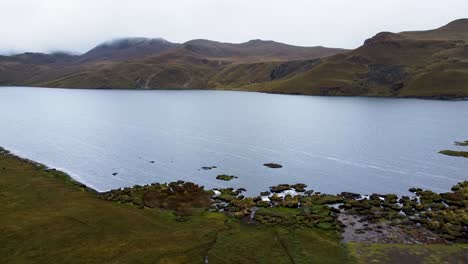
(437, 98)
(379, 215)
(45, 167)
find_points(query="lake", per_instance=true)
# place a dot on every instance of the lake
(333, 144)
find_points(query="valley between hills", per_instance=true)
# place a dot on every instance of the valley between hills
(426, 64)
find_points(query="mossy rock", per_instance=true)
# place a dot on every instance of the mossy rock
(224, 177)
(280, 188)
(327, 199)
(391, 198)
(462, 143)
(299, 187)
(226, 197)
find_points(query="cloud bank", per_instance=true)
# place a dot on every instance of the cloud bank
(79, 25)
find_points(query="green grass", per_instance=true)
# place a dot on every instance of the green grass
(455, 153)
(48, 218)
(409, 254)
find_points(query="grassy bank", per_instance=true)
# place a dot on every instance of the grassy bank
(48, 218)
(454, 153)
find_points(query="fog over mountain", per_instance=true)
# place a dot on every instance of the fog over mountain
(79, 25)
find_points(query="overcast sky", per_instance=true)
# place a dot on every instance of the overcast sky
(78, 25)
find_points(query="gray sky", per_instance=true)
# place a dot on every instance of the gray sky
(78, 25)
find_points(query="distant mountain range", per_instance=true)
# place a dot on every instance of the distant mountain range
(430, 63)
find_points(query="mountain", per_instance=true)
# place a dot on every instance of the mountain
(455, 30)
(256, 50)
(157, 63)
(432, 63)
(128, 48)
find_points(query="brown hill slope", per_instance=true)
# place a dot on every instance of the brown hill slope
(454, 30)
(156, 63)
(127, 48)
(430, 63)
(257, 50)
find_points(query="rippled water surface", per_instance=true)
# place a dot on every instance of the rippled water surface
(332, 144)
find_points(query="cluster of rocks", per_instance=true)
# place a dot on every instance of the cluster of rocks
(284, 204)
(444, 214)
(183, 197)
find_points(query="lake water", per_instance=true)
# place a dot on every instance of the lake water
(333, 144)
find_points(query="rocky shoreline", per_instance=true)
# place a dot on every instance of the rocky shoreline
(426, 217)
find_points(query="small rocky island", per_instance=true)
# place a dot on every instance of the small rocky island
(273, 165)
(457, 153)
(454, 153)
(462, 143)
(224, 177)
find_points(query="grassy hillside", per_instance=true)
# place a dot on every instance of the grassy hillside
(156, 63)
(421, 64)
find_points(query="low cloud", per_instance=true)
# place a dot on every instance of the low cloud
(79, 25)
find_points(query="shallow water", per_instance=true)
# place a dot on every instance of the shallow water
(333, 144)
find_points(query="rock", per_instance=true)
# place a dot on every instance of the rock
(290, 201)
(413, 190)
(350, 195)
(280, 188)
(208, 168)
(428, 197)
(327, 199)
(462, 143)
(391, 198)
(240, 190)
(273, 165)
(225, 177)
(299, 187)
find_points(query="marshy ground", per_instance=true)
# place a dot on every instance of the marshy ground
(48, 218)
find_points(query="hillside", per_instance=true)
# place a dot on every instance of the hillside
(431, 63)
(141, 63)
(127, 48)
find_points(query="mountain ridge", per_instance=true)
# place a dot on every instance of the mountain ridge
(431, 63)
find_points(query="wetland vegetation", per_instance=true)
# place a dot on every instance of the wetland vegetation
(224, 177)
(454, 153)
(190, 224)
